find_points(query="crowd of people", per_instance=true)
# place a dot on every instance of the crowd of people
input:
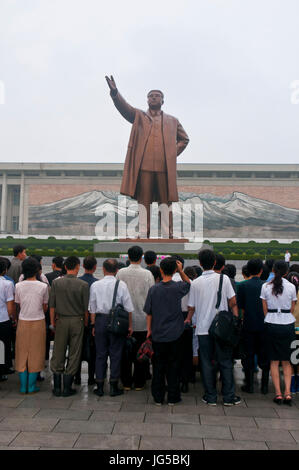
(170, 309)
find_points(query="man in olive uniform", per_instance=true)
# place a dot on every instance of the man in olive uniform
(68, 304)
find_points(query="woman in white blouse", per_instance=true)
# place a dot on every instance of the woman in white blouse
(279, 297)
(32, 297)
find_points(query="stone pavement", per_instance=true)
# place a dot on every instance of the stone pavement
(132, 421)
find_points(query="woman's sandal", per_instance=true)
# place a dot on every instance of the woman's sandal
(288, 399)
(278, 399)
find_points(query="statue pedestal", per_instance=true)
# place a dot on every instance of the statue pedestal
(137, 241)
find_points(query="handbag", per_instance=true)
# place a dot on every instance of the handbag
(145, 352)
(225, 327)
(118, 322)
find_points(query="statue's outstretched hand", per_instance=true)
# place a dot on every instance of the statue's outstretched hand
(111, 83)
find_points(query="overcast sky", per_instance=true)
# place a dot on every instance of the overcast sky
(225, 67)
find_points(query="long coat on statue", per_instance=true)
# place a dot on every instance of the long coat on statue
(175, 141)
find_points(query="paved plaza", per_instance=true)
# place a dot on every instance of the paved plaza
(132, 421)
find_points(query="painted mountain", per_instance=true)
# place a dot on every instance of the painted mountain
(235, 215)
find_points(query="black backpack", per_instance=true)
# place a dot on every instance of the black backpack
(118, 322)
(225, 327)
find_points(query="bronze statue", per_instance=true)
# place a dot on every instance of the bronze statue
(155, 142)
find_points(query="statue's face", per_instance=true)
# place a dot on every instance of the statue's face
(155, 100)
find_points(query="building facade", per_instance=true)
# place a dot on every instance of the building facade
(239, 201)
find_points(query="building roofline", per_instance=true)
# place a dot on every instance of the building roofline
(119, 166)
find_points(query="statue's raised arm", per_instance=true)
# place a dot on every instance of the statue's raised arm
(125, 109)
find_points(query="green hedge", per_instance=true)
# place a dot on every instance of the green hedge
(230, 250)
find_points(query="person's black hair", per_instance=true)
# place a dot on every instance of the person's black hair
(254, 266)
(230, 270)
(197, 269)
(128, 263)
(207, 259)
(280, 268)
(294, 268)
(168, 266)
(111, 265)
(179, 258)
(293, 277)
(190, 272)
(18, 249)
(37, 257)
(220, 262)
(120, 265)
(7, 261)
(270, 263)
(3, 267)
(71, 262)
(89, 262)
(30, 267)
(265, 273)
(150, 257)
(135, 253)
(156, 272)
(58, 261)
(245, 271)
(63, 270)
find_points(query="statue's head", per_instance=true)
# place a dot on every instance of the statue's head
(155, 99)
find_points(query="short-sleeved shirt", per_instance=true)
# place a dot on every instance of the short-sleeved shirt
(15, 269)
(203, 297)
(248, 298)
(31, 295)
(287, 257)
(139, 281)
(89, 278)
(52, 276)
(6, 295)
(185, 300)
(43, 278)
(101, 295)
(281, 302)
(163, 302)
(69, 296)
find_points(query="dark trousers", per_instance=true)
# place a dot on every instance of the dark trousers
(5, 337)
(209, 352)
(107, 344)
(254, 344)
(49, 335)
(92, 359)
(138, 378)
(166, 366)
(186, 365)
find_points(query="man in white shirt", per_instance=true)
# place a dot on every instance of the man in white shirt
(108, 344)
(202, 303)
(138, 281)
(7, 310)
(287, 258)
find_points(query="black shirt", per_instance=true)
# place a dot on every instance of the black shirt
(53, 275)
(248, 298)
(89, 278)
(163, 302)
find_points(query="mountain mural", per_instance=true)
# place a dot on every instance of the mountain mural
(234, 215)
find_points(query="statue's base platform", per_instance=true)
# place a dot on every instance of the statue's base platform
(153, 240)
(159, 245)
